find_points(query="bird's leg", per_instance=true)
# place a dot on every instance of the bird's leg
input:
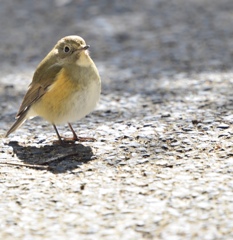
(58, 135)
(80, 139)
(75, 137)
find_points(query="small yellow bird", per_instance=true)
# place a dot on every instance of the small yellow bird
(65, 87)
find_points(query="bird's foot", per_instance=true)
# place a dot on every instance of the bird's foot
(72, 140)
(83, 139)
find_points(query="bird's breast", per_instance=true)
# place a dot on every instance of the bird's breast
(67, 100)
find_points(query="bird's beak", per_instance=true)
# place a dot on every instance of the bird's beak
(86, 47)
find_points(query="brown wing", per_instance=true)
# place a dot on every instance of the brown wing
(39, 86)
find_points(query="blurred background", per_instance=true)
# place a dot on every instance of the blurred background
(150, 35)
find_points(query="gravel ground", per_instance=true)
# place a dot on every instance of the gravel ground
(162, 165)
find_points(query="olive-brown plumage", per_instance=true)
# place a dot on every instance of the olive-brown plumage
(65, 87)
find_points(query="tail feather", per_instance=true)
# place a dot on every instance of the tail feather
(20, 120)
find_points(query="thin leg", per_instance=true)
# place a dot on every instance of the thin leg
(58, 135)
(80, 139)
(75, 137)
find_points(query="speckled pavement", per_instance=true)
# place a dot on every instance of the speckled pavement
(162, 165)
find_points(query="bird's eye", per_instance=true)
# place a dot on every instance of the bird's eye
(66, 49)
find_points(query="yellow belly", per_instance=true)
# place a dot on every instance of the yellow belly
(54, 104)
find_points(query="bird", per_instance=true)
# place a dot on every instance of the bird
(65, 87)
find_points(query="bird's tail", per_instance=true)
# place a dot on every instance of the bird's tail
(20, 120)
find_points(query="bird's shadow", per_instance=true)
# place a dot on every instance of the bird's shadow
(55, 158)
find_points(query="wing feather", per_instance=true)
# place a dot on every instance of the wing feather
(38, 88)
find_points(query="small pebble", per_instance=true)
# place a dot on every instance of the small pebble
(223, 126)
(166, 114)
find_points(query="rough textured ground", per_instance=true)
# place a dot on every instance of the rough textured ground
(162, 165)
